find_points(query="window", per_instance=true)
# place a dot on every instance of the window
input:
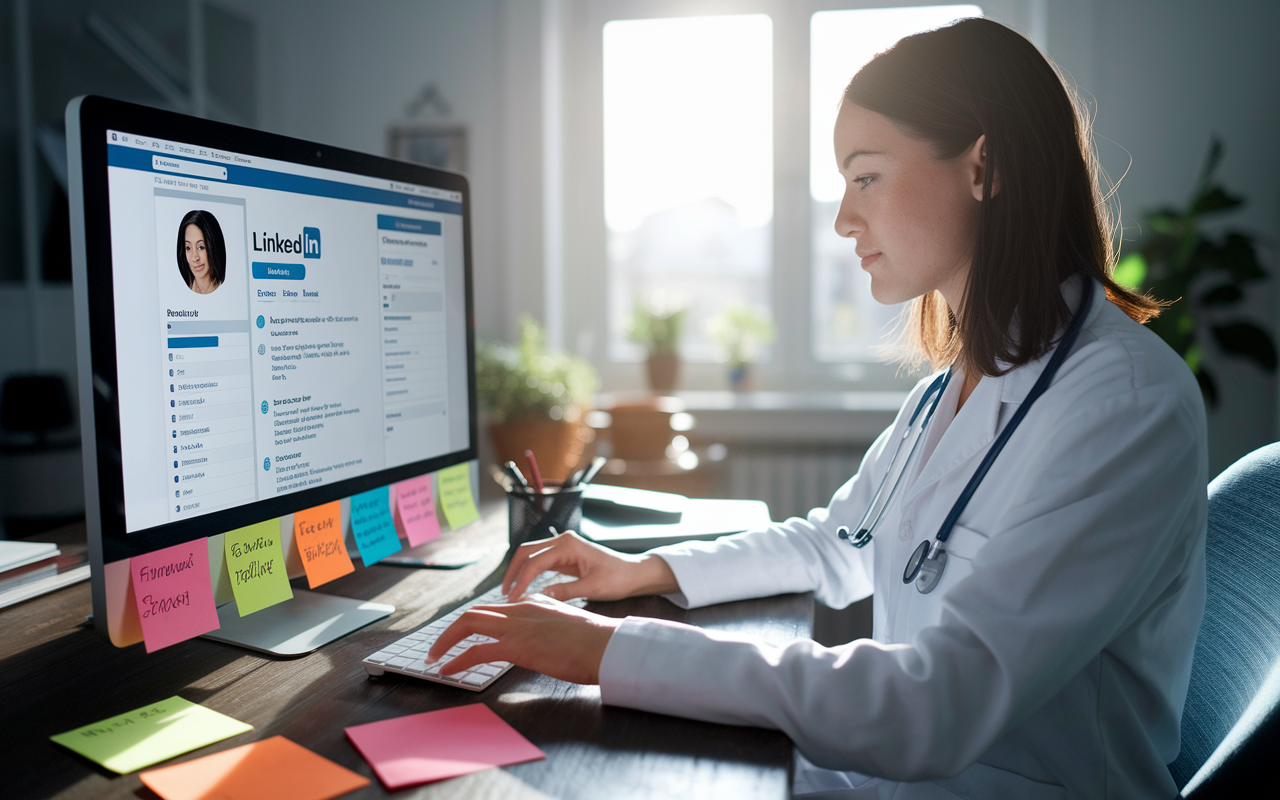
(688, 170)
(847, 323)
(698, 168)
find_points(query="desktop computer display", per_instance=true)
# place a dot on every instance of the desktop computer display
(264, 325)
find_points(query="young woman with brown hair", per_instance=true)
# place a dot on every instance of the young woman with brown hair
(1032, 525)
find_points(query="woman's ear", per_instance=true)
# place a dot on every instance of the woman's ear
(976, 168)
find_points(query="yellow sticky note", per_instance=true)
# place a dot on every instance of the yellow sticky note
(455, 495)
(151, 734)
(255, 562)
(320, 543)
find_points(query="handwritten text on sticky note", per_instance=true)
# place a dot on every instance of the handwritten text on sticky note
(174, 593)
(255, 563)
(371, 525)
(455, 495)
(150, 734)
(416, 510)
(319, 534)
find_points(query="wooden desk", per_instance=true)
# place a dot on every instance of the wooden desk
(57, 674)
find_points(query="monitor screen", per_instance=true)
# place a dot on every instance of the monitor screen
(271, 324)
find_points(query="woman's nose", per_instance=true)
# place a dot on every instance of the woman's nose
(848, 223)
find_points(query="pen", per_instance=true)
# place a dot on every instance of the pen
(533, 472)
(593, 470)
(515, 473)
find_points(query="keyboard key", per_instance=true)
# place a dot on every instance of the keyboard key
(475, 679)
(394, 648)
(380, 657)
(399, 661)
(487, 669)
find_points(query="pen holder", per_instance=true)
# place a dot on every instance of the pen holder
(531, 517)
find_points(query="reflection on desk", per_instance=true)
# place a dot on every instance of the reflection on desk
(57, 674)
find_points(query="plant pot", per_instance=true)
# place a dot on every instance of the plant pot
(740, 378)
(664, 372)
(557, 444)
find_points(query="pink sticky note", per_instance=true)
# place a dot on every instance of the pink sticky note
(440, 744)
(416, 510)
(174, 593)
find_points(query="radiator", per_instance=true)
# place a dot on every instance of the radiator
(790, 479)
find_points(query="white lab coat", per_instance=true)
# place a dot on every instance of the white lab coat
(1053, 658)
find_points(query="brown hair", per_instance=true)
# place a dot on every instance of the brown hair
(1049, 219)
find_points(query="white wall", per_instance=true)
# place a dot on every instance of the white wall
(1167, 75)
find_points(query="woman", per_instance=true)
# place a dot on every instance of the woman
(1043, 649)
(202, 252)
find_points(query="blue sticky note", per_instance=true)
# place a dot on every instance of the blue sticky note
(371, 523)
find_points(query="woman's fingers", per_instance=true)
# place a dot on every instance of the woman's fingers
(523, 553)
(476, 654)
(481, 619)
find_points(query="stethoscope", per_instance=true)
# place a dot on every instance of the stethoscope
(926, 564)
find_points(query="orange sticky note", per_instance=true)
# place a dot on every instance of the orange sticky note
(273, 769)
(319, 534)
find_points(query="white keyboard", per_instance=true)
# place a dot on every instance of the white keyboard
(407, 655)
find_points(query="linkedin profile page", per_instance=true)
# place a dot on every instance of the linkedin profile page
(333, 347)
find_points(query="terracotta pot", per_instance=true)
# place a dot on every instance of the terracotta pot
(557, 444)
(664, 372)
(642, 431)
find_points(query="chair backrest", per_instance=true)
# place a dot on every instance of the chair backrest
(1230, 717)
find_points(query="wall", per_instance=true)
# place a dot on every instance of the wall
(1167, 76)
(340, 72)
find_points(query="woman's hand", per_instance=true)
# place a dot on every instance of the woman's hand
(602, 574)
(540, 634)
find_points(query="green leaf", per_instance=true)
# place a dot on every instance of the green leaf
(1215, 200)
(1239, 258)
(1224, 295)
(1210, 166)
(1248, 340)
(1193, 357)
(1131, 271)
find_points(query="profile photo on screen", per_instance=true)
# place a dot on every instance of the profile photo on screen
(202, 252)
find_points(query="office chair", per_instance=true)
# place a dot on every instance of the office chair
(1231, 721)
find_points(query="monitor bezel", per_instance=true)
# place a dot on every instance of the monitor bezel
(89, 120)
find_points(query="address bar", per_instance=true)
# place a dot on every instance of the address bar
(182, 167)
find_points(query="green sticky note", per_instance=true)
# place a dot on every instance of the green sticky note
(255, 563)
(455, 495)
(151, 734)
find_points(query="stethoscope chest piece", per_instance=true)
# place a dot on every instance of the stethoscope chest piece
(926, 566)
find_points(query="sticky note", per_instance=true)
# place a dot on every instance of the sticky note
(174, 593)
(273, 769)
(416, 510)
(255, 562)
(371, 524)
(404, 751)
(320, 543)
(455, 495)
(150, 734)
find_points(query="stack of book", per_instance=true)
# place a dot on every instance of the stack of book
(30, 569)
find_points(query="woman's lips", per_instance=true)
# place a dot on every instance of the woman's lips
(869, 260)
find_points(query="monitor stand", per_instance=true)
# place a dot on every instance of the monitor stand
(298, 626)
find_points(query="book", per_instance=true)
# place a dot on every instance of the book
(15, 554)
(44, 576)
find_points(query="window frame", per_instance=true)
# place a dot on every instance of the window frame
(791, 365)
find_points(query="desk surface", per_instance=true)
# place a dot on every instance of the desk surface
(57, 674)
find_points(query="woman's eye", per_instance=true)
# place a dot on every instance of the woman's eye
(863, 180)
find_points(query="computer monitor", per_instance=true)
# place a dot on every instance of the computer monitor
(263, 325)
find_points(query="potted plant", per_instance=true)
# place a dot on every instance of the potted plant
(535, 399)
(740, 330)
(657, 323)
(1202, 275)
